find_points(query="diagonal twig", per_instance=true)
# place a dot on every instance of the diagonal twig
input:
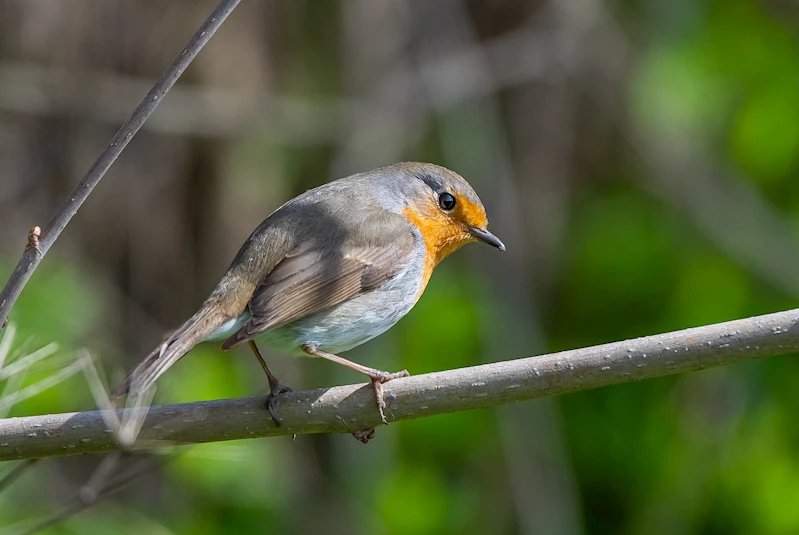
(13, 474)
(109, 486)
(28, 361)
(40, 241)
(29, 391)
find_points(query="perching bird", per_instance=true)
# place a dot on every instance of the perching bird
(331, 269)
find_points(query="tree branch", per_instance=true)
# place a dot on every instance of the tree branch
(40, 242)
(344, 409)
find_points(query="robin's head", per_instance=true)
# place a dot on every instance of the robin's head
(444, 207)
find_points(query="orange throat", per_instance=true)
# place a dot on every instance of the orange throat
(441, 238)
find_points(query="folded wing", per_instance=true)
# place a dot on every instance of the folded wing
(316, 276)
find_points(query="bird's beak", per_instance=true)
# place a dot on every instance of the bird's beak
(484, 236)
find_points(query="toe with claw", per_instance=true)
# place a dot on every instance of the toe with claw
(364, 435)
(377, 384)
(272, 399)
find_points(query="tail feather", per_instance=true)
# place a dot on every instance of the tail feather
(180, 342)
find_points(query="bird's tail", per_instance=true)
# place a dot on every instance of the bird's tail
(188, 335)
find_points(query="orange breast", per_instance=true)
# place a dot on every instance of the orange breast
(441, 237)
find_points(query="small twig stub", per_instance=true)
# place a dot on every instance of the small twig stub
(33, 239)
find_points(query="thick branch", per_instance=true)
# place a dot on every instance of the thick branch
(38, 248)
(347, 408)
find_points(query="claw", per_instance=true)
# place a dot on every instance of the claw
(377, 385)
(272, 399)
(378, 377)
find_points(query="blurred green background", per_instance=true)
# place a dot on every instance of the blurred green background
(639, 158)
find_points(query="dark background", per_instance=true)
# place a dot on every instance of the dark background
(639, 158)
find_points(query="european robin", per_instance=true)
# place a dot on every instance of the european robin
(331, 269)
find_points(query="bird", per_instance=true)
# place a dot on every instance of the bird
(331, 269)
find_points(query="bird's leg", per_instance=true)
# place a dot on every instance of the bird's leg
(276, 387)
(378, 377)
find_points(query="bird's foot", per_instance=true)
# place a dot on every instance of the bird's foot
(364, 435)
(378, 379)
(277, 388)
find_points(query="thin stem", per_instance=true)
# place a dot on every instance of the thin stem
(10, 400)
(13, 474)
(39, 242)
(111, 486)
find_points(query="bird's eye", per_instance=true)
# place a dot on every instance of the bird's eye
(446, 201)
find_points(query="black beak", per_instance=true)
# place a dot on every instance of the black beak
(484, 236)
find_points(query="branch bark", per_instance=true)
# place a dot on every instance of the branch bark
(348, 408)
(38, 247)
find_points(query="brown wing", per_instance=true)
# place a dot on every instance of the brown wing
(310, 279)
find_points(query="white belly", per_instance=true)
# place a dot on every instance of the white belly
(345, 326)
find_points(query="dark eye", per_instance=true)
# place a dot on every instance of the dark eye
(446, 201)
